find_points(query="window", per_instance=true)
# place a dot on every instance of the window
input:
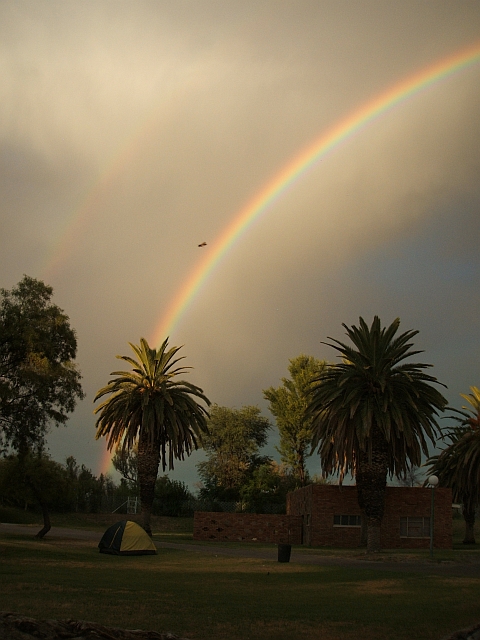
(414, 527)
(347, 521)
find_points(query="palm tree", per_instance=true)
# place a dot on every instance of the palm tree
(150, 407)
(458, 465)
(372, 414)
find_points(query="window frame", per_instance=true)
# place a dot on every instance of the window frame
(425, 526)
(348, 524)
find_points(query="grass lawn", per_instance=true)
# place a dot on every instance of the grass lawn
(225, 598)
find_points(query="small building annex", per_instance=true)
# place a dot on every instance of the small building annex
(331, 516)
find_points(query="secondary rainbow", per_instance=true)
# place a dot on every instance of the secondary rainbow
(65, 242)
(298, 165)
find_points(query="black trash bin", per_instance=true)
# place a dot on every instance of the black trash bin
(284, 551)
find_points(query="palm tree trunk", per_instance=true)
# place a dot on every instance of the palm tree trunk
(363, 531)
(371, 480)
(361, 504)
(373, 537)
(469, 517)
(148, 461)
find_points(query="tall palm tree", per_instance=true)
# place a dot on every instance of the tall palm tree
(372, 414)
(150, 407)
(458, 465)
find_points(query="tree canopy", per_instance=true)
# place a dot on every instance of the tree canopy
(39, 382)
(458, 465)
(288, 403)
(232, 444)
(125, 461)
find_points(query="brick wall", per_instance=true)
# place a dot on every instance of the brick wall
(318, 504)
(247, 527)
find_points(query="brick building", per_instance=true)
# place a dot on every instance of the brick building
(331, 516)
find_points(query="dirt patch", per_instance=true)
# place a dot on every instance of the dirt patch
(459, 583)
(379, 587)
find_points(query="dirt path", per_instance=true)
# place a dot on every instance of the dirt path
(297, 557)
(55, 532)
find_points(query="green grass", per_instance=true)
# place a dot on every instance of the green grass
(200, 596)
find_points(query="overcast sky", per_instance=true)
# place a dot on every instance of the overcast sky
(133, 131)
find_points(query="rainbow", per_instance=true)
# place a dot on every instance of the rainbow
(106, 465)
(291, 172)
(267, 195)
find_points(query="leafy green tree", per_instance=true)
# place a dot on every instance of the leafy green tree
(266, 490)
(20, 477)
(373, 413)
(171, 497)
(288, 404)
(125, 462)
(150, 408)
(89, 490)
(413, 477)
(65, 487)
(232, 445)
(458, 465)
(318, 478)
(39, 382)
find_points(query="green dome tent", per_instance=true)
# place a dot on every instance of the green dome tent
(126, 538)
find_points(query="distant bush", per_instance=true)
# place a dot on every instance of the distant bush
(172, 498)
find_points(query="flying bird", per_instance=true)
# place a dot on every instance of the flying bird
(203, 244)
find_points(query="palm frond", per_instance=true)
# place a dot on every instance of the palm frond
(373, 389)
(150, 400)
